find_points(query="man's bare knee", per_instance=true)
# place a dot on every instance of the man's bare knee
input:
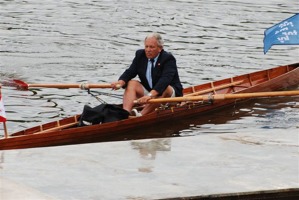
(133, 82)
(168, 92)
(134, 85)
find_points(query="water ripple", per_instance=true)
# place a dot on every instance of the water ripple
(74, 41)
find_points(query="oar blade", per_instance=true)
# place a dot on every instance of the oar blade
(21, 85)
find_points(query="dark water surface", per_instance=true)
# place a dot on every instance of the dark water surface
(73, 41)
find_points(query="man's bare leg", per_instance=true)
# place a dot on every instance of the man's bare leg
(134, 90)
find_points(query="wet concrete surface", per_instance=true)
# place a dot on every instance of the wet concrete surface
(154, 168)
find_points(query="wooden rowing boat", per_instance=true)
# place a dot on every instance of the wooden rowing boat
(66, 131)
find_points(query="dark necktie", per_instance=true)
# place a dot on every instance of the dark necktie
(153, 66)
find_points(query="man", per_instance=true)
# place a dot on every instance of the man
(158, 74)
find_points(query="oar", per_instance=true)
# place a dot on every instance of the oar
(224, 96)
(25, 86)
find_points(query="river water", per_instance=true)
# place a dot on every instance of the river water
(54, 41)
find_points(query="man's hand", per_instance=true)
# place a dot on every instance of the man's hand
(147, 97)
(117, 85)
(144, 99)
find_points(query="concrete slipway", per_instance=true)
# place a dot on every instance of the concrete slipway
(154, 168)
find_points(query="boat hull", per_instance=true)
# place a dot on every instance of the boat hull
(66, 132)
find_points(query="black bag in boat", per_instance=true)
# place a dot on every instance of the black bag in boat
(101, 114)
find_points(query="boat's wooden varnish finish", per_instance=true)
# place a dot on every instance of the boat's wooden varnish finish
(65, 131)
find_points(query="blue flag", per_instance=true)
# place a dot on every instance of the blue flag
(283, 33)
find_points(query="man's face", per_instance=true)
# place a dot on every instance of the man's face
(151, 48)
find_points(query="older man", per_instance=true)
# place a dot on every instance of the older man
(158, 74)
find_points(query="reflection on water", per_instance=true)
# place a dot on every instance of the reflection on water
(148, 152)
(254, 115)
(148, 149)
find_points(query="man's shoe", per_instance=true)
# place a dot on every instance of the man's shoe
(134, 112)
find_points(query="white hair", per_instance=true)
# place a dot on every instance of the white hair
(158, 38)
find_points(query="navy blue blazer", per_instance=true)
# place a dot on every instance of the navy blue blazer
(165, 72)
